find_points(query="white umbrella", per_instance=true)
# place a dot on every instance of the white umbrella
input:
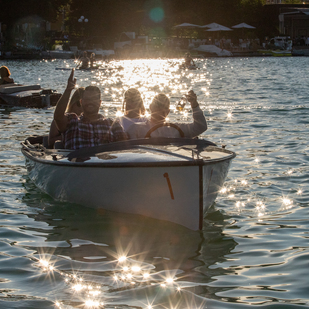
(212, 25)
(243, 25)
(187, 25)
(219, 28)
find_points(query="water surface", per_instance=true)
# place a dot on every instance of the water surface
(253, 250)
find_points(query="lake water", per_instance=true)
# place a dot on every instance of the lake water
(254, 247)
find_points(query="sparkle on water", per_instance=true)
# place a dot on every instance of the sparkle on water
(151, 77)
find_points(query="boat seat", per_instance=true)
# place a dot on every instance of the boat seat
(18, 88)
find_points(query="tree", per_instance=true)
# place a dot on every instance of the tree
(12, 11)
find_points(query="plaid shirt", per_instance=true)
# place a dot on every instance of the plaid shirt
(81, 133)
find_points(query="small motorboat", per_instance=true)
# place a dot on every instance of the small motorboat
(172, 179)
(27, 96)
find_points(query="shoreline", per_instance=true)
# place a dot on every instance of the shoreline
(296, 51)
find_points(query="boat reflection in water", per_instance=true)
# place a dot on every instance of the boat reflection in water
(110, 259)
(172, 179)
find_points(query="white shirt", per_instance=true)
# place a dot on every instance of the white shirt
(127, 122)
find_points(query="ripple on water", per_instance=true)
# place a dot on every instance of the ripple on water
(253, 249)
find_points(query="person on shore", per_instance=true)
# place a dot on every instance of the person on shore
(159, 109)
(84, 61)
(91, 128)
(133, 109)
(75, 107)
(5, 76)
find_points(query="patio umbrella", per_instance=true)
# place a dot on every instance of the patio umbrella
(187, 25)
(219, 28)
(243, 25)
(222, 28)
(212, 25)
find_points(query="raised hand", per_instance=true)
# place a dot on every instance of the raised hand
(192, 98)
(71, 81)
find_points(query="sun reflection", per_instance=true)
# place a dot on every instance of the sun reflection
(146, 275)
(135, 268)
(229, 115)
(46, 265)
(287, 203)
(119, 113)
(95, 293)
(92, 303)
(299, 191)
(260, 208)
(78, 287)
(122, 259)
(223, 190)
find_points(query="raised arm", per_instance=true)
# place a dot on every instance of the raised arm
(61, 120)
(199, 124)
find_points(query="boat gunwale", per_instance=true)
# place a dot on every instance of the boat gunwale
(27, 152)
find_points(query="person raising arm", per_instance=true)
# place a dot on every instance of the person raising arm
(91, 128)
(159, 109)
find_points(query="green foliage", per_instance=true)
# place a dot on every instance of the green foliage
(13, 10)
(109, 18)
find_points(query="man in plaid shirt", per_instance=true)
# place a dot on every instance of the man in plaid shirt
(91, 128)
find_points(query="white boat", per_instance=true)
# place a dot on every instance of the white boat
(59, 53)
(213, 50)
(27, 96)
(173, 179)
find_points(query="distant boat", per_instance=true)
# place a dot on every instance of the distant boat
(281, 53)
(61, 54)
(27, 96)
(213, 50)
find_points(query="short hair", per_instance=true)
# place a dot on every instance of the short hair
(160, 101)
(134, 99)
(4, 71)
(94, 89)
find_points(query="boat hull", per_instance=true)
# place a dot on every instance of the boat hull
(179, 192)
